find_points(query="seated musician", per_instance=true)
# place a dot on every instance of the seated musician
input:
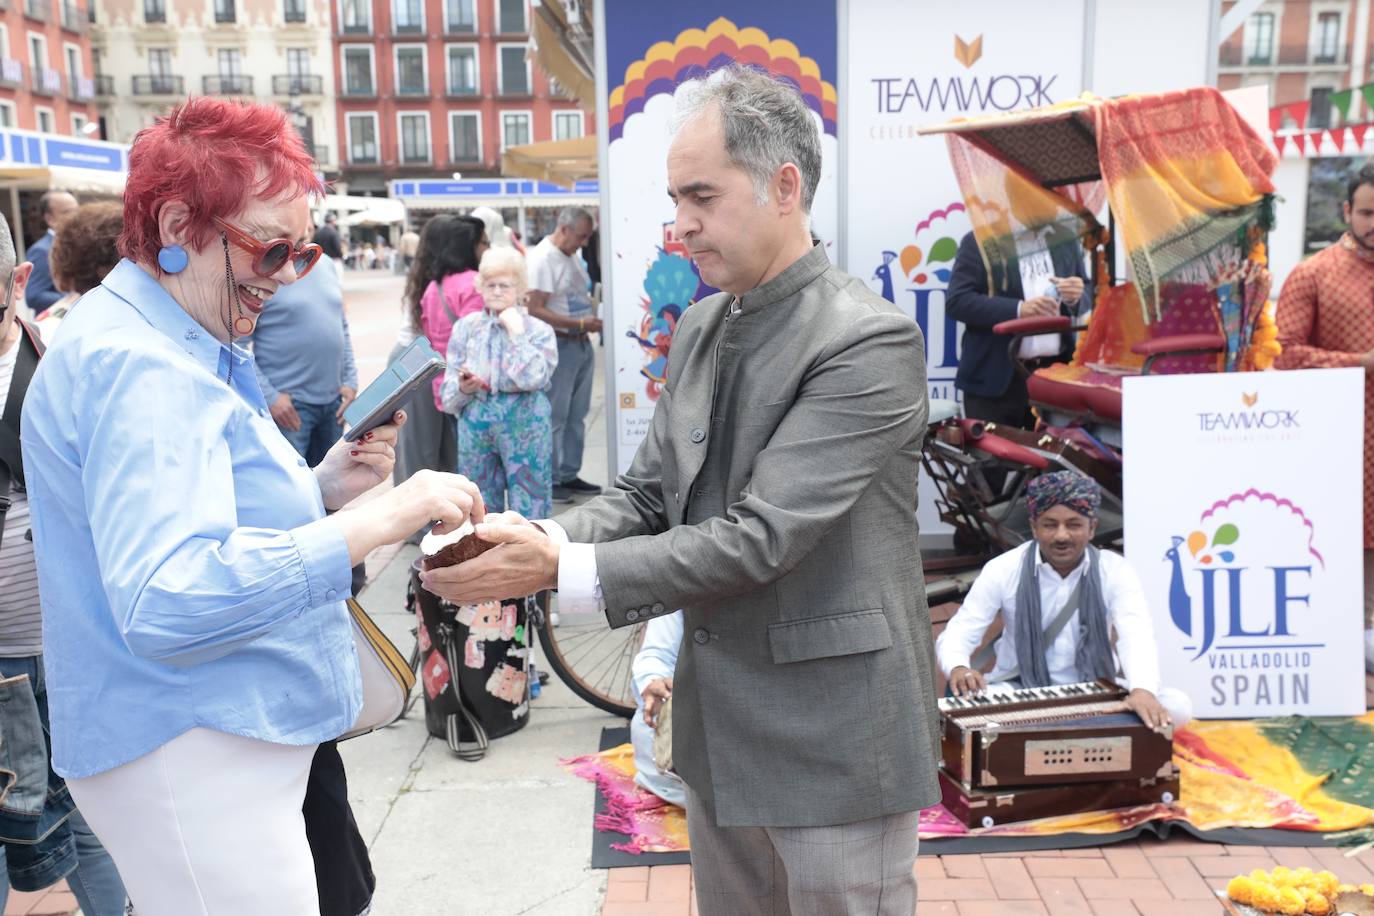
(1060, 599)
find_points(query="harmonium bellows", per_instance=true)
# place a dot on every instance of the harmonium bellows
(1065, 733)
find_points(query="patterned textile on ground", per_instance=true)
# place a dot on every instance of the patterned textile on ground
(1185, 175)
(652, 824)
(1290, 773)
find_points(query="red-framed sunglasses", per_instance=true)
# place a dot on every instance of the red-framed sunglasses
(271, 256)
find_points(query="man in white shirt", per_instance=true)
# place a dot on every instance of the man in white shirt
(560, 294)
(653, 676)
(1060, 600)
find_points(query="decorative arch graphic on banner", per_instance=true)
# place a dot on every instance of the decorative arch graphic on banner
(698, 51)
(649, 54)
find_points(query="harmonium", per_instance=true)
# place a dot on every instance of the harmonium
(1050, 751)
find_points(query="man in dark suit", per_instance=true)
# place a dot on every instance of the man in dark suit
(55, 206)
(774, 501)
(992, 388)
(327, 237)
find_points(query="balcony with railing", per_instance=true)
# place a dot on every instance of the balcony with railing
(410, 89)
(319, 152)
(41, 10)
(104, 86)
(154, 11)
(1285, 56)
(11, 73)
(360, 89)
(462, 89)
(225, 12)
(407, 27)
(46, 81)
(294, 11)
(159, 84)
(73, 19)
(233, 84)
(298, 84)
(81, 89)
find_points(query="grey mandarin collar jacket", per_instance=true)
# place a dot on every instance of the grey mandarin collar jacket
(774, 500)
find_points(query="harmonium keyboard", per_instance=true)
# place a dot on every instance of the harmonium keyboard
(1050, 751)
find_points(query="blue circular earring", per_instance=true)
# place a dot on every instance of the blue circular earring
(172, 259)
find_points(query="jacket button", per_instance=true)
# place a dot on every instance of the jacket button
(632, 615)
(701, 637)
(658, 607)
(698, 435)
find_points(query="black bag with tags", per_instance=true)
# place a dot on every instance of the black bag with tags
(11, 456)
(474, 664)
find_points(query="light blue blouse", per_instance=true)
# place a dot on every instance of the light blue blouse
(186, 576)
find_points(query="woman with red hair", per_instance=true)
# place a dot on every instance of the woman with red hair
(192, 585)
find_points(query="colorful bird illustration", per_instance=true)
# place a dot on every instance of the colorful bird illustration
(1180, 603)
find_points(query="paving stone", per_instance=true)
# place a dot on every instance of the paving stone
(1091, 852)
(1348, 868)
(1002, 908)
(1229, 866)
(625, 891)
(1179, 907)
(929, 867)
(1069, 868)
(1113, 908)
(1128, 862)
(1063, 897)
(955, 889)
(1156, 848)
(1123, 888)
(670, 882)
(936, 908)
(1182, 878)
(963, 866)
(647, 908)
(1294, 857)
(1012, 881)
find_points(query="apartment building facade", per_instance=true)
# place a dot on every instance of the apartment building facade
(46, 67)
(1302, 50)
(151, 54)
(427, 88)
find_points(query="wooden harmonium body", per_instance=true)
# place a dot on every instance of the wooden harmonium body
(1058, 735)
(989, 807)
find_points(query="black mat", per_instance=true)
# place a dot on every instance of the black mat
(603, 856)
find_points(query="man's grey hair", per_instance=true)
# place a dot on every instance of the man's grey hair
(8, 256)
(766, 124)
(572, 217)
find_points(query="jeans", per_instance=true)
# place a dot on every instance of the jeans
(570, 393)
(320, 429)
(95, 882)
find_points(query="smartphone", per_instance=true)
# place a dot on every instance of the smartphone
(416, 366)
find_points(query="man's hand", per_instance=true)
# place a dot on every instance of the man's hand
(1144, 704)
(524, 562)
(655, 694)
(346, 396)
(964, 681)
(592, 325)
(1367, 361)
(1037, 307)
(1070, 288)
(284, 412)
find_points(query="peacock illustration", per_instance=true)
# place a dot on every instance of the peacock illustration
(1180, 603)
(884, 273)
(670, 286)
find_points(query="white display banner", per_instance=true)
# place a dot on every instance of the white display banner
(652, 282)
(904, 213)
(1243, 503)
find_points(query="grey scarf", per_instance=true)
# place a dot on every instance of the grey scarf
(1094, 656)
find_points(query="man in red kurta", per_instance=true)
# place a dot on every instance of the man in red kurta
(1326, 319)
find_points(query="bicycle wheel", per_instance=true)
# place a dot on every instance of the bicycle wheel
(591, 658)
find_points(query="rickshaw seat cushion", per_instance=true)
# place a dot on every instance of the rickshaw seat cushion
(1010, 451)
(1037, 324)
(1179, 342)
(1065, 395)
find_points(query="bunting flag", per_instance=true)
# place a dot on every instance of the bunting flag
(1338, 138)
(1299, 111)
(1342, 102)
(1300, 141)
(1280, 141)
(1359, 131)
(1367, 90)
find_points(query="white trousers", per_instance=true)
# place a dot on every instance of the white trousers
(209, 824)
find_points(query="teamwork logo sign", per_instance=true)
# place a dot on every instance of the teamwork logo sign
(1243, 520)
